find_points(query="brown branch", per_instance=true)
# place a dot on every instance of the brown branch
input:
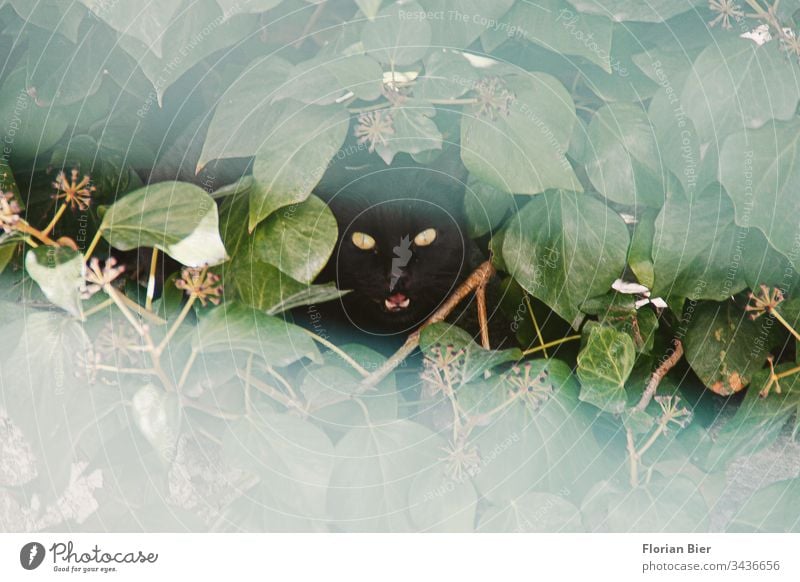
(647, 397)
(477, 279)
(483, 320)
(659, 374)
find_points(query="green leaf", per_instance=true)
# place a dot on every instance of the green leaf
(543, 444)
(724, 346)
(553, 24)
(523, 152)
(457, 23)
(448, 75)
(671, 504)
(732, 80)
(760, 170)
(245, 114)
(158, 416)
(398, 35)
(199, 30)
(758, 420)
(623, 160)
(533, 513)
(236, 327)
(633, 10)
(697, 247)
(52, 15)
(231, 7)
(604, 365)
(369, 7)
(485, 207)
(298, 240)
(148, 23)
(476, 359)
(59, 273)
(60, 72)
(439, 503)
(564, 248)
(28, 128)
(375, 467)
(324, 80)
(294, 155)
(178, 218)
(414, 131)
(293, 458)
(771, 509)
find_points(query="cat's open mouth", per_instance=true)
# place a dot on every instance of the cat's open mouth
(396, 302)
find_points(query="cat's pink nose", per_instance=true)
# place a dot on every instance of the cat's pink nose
(396, 302)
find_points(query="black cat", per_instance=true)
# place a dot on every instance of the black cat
(402, 248)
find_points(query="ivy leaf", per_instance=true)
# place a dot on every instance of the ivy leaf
(414, 131)
(59, 273)
(730, 82)
(631, 10)
(663, 505)
(448, 75)
(236, 327)
(564, 248)
(771, 509)
(476, 359)
(760, 170)
(293, 458)
(294, 155)
(375, 467)
(298, 240)
(245, 114)
(724, 346)
(175, 217)
(323, 80)
(198, 30)
(697, 247)
(554, 25)
(232, 7)
(457, 23)
(623, 161)
(158, 416)
(32, 129)
(370, 8)
(148, 23)
(533, 513)
(485, 207)
(398, 35)
(439, 503)
(604, 365)
(52, 15)
(758, 420)
(539, 445)
(523, 151)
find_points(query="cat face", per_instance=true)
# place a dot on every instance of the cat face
(400, 256)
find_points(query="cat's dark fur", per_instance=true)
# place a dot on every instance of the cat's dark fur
(393, 206)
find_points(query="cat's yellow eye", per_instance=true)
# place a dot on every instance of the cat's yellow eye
(363, 241)
(425, 238)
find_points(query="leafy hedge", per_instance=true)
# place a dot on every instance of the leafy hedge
(633, 167)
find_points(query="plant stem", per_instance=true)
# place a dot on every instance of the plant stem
(151, 281)
(483, 320)
(172, 330)
(785, 323)
(97, 308)
(186, 368)
(135, 371)
(535, 324)
(659, 374)
(271, 392)
(98, 235)
(283, 382)
(632, 459)
(551, 344)
(56, 218)
(28, 229)
(339, 352)
(653, 437)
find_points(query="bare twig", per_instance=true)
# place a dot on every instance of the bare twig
(478, 278)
